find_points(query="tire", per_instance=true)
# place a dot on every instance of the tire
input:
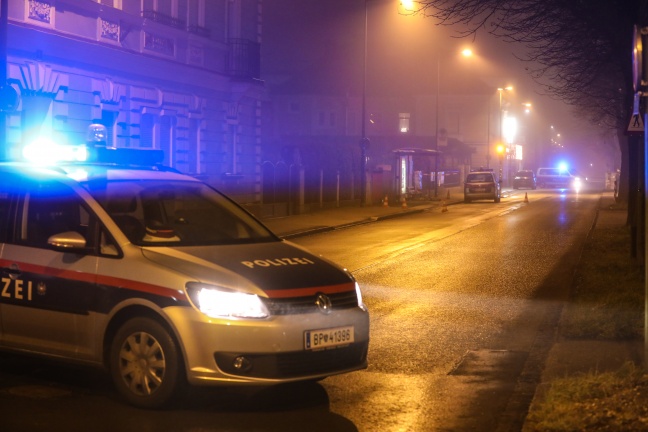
(145, 364)
(497, 199)
(466, 200)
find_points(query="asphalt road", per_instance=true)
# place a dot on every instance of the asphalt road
(463, 308)
(462, 305)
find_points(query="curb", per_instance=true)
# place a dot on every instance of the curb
(372, 219)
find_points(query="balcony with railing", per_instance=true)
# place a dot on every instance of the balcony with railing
(244, 59)
(198, 30)
(164, 19)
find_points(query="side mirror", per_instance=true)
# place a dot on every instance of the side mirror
(69, 241)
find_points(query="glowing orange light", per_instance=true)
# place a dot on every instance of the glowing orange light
(408, 5)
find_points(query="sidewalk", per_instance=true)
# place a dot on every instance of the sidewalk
(574, 357)
(330, 219)
(569, 356)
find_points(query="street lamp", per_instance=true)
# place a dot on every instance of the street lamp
(436, 139)
(408, 5)
(501, 90)
(467, 52)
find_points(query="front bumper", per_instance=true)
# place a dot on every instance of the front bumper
(271, 351)
(480, 196)
(523, 184)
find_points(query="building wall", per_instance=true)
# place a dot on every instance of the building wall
(177, 75)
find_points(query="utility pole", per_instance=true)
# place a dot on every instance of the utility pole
(364, 141)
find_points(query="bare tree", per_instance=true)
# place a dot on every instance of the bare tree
(579, 51)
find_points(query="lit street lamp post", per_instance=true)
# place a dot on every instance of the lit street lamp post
(501, 147)
(466, 53)
(436, 139)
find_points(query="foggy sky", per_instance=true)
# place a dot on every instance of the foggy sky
(324, 40)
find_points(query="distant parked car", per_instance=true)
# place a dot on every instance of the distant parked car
(524, 179)
(481, 185)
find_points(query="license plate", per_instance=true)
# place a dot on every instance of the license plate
(325, 338)
(479, 189)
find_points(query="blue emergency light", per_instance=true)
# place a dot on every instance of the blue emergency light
(563, 167)
(46, 152)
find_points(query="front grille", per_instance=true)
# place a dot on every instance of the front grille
(301, 305)
(297, 364)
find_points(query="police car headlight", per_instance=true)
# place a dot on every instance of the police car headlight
(219, 302)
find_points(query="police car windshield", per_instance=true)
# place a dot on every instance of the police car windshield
(176, 213)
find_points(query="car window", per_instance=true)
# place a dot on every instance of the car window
(50, 208)
(5, 205)
(8, 197)
(547, 172)
(479, 177)
(176, 213)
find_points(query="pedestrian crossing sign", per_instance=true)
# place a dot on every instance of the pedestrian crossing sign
(636, 125)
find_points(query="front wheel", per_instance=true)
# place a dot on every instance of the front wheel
(145, 363)
(497, 199)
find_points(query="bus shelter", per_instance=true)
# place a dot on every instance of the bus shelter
(416, 172)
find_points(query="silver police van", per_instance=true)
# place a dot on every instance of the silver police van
(164, 281)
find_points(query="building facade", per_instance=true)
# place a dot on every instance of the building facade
(178, 75)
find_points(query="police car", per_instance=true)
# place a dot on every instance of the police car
(164, 281)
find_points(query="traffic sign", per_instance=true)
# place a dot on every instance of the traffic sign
(636, 125)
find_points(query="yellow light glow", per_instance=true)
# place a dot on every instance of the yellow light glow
(467, 52)
(408, 5)
(510, 128)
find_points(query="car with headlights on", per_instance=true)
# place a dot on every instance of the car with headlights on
(558, 178)
(524, 179)
(482, 185)
(163, 281)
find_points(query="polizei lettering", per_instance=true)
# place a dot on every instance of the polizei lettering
(277, 262)
(17, 289)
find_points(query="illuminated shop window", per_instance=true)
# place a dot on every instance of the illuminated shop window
(403, 122)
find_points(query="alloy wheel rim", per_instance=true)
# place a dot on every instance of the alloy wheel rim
(142, 364)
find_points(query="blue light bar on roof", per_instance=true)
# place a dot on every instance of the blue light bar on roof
(44, 151)
(126, 156)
